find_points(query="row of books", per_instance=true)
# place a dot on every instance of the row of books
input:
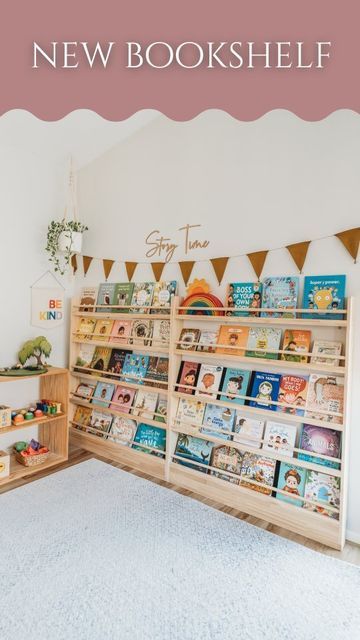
(318, 396)
(134, 297)
(141, 332)
(322, 293)
(132, 367)
(262, 342)
(145, 404)
(320, 490)
(270, 435)
(121, 430)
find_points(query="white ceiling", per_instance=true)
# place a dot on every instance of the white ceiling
(83, 134)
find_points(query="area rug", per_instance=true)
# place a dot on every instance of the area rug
(94, 553)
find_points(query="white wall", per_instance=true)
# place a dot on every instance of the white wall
(252, 186)
(31, 193)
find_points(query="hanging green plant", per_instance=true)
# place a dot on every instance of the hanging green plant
(64, 239)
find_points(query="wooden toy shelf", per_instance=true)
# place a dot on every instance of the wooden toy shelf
(53, 429)
(308, 523)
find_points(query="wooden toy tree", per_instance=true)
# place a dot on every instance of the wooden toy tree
(35, 348)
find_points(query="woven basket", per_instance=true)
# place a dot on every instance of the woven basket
(32, 461)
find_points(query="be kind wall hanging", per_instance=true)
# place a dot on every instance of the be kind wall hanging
(47, 302)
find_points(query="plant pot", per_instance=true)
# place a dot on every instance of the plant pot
(70, 241)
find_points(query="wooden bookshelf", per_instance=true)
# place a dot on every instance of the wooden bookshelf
(311, 524)
(53, 429)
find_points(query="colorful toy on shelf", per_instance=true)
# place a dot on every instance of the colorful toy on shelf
(42, 409)
(35, 348)
(33, 453)
(202, 304)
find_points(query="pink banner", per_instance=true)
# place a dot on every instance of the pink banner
(116, 57)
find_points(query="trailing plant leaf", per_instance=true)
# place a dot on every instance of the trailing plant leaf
(55, 229)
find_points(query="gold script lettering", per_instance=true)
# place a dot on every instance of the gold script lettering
(160, 245)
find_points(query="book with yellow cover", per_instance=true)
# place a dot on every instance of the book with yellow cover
(297, 342)
(235, 336)
(102, 330)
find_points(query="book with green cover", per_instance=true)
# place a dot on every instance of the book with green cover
(122, 296)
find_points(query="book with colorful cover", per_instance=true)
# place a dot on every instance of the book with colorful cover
(148, 436)
(235, 383)
(103, 394)
(122, 430)
(141, 332)
(320, 440)
(218, 418)
(105, 297)
(263, 338)
(227, 459)
(122, 399)
(101, 359)
(161, 409)
(85, 328)
(325, 394)
(88, 298)
(323, 489)
(101, 422)
(164, 291)
(207, 341)
(297, 342)
(293, 390)
(123, 293)
(291, 479)
(135, 367)
(322, 349)
(85, 356)
(235, 336)
(188, 339)
(209, 380)
(190, 411)
(265, 389)
(102, 330)
(193, 450)
(280, 293)
(82, 418)
(324, 293)
(158, 371)
(116, 362)
(145, 404)
(248, 431)
(260, 469)
(280, 437)
(142, 297)
(188, 375)
(161, 333)
(120, 331)
(244, 294)
(85, 391)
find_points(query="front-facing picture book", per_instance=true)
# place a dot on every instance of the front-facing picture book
(207, 341)
(158, 371)
(291, 480)
(248, 431)
(163, 293)
(261, 339)
(188, 339)
(122, 399)
(100, 423)
(141, 332)
(188, 375)
(218, 420)
(122, 430)
(280, 437)
(325, 399)
(190, 411)
(292, 394)
(280, 293)
(297, 344)
(145, 404)
(265, 390)
(326, 352)
(105, 297)
(120, 331)
(116, 361)
(193, 450)
(101, 358)
(232, 339)
(88, 297)
(103, 393)
(135, 367)
(102, 330)
(149, 439)
(227, 459)
(85, 356)
(85, 328)
(85, 391)
(258, 470)
(324, 490)
(122, 296)
(209, 380)
(323, 294)
(142, 297)
(235, 384)
(244, 299)
(320, 440)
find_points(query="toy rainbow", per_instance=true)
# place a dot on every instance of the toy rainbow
(196, 300)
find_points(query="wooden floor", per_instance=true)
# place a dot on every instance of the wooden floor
(350, 553)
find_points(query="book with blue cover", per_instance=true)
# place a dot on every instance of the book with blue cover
(216, 418)
(325, 293)
(235, 382)
(280, 293)
(291, 479)
(103, 393)
(265, 389)
(150, 439)
(244, 294)
(135, 367)
(193, 450)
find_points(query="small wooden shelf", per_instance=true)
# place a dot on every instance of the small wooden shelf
(125, 347)
(100, 315)
(131, 416)
(119, 382)
(292, 322)
(18, 470)
(30, 423)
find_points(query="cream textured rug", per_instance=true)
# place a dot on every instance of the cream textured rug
(94, 553)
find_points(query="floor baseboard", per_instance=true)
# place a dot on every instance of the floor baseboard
(352, 536)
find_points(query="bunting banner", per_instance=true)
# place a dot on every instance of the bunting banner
(219, 266)
(130, 269)
(257, 259)
(298, 252)
(186, 268)
(74, 263)
(108, 265)
(158, 268)
(87, 260)
(350, 240)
